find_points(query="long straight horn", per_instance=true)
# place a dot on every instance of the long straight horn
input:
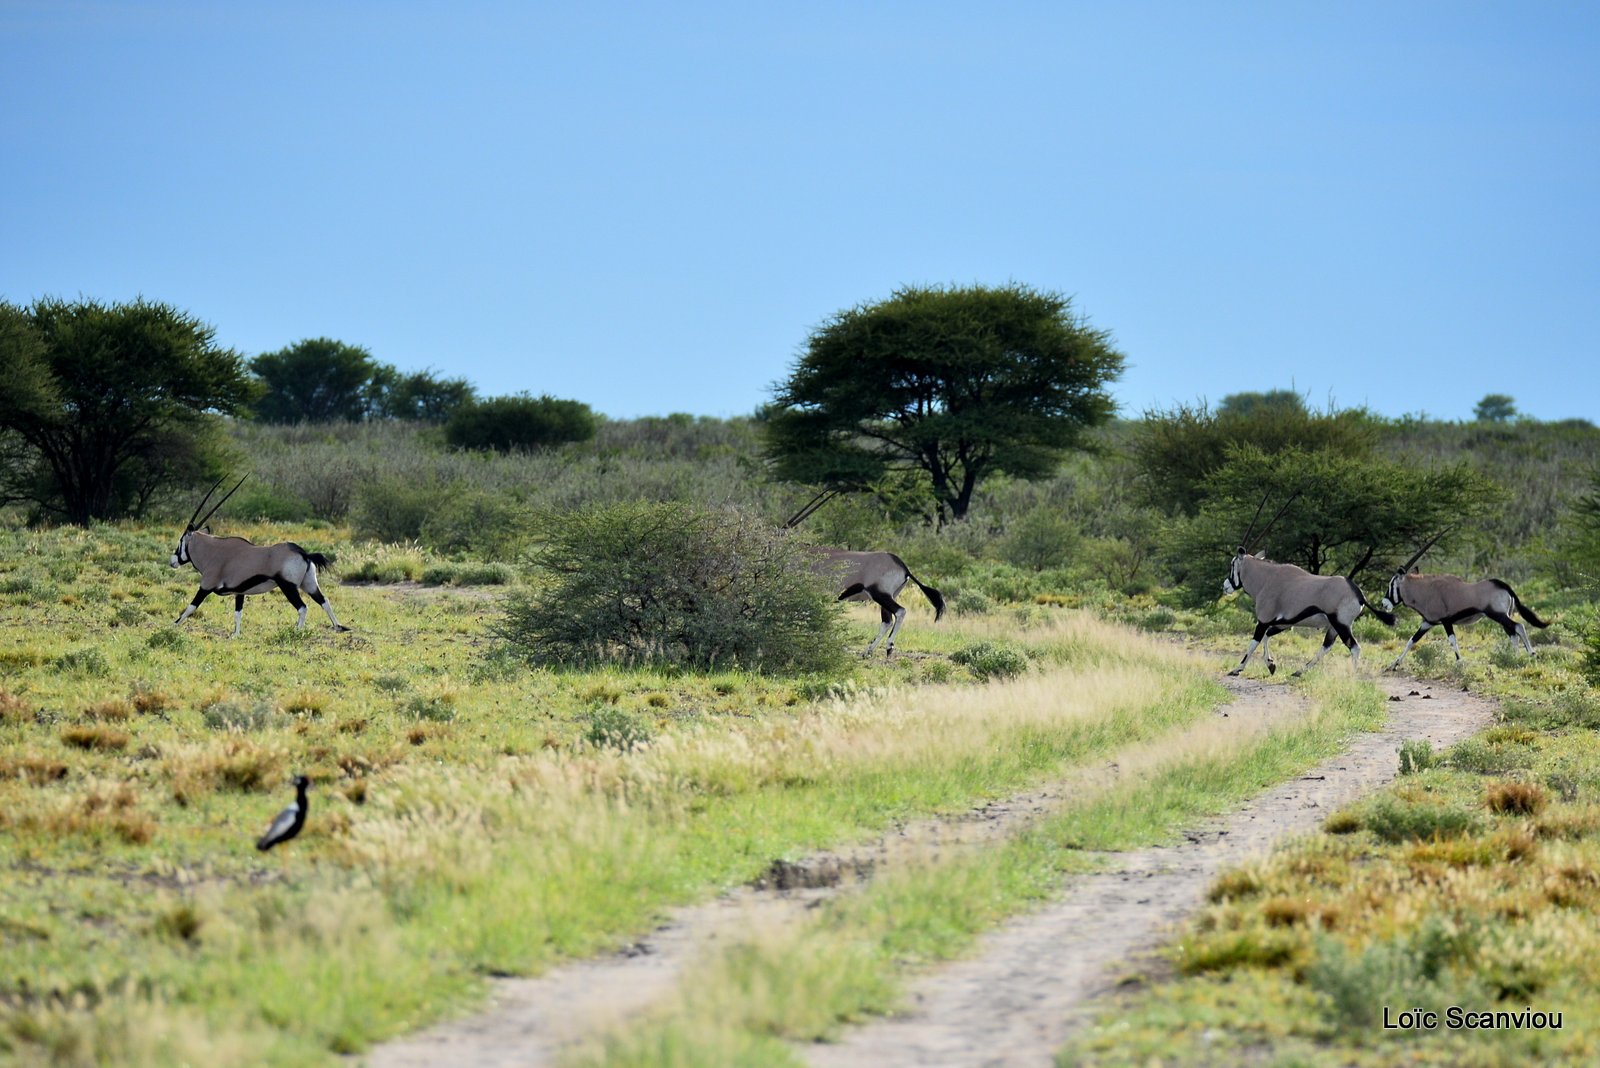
(192, 524)
(1292, 498)
(224, 500)
(1244, 541)
(1425, 547)
(805, 513)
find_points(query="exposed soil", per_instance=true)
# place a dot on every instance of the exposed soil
(1016, 1000)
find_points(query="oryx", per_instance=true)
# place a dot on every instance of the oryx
(1445, 600)
(878, 576)
(234, 565)
(1288, 596)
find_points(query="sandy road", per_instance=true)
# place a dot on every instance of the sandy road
(1017, 998)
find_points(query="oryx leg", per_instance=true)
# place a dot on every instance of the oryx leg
(1450, 632)
(238, 612)
(1259, 638)
(891, 613)
(1425, 628)
(1514, 630)
(292, 594)
(315, 592)
(188, 609)
(1343, 633)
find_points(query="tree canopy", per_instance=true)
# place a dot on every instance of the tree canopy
(1495, 408)
(953, 383)
(315, 380)
(520, 422)
(103, 405)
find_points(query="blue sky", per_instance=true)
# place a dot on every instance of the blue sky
(648, 206)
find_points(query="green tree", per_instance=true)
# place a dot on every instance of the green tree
(419, 395)
(520, 422)
(313, 381)
(954, 383)
(1495, 408)
(1176, 451)
(1245, 404)
(101, 406)
(1351, 513)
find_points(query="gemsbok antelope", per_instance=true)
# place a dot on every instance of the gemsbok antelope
(875, 576)
(1448, 601)
(1288, 596)
(235, 566)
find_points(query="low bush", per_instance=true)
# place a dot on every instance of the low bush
(672, 584)
(991, 660)
(1417, 755)
(520, 422)
(1394, 820)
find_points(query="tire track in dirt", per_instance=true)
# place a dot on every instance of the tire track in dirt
(1006, 1005)
(1033, 981)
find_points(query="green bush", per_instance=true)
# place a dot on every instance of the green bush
(669, 583)
(1417, 755)
(1394, 820)
(617, 728)
(490, 525)
(395, 509)
(507, 424)
(991, 660)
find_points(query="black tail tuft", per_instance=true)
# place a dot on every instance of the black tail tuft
(319, 559)
(934, 597)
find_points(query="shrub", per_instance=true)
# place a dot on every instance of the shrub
(1417, 755)
(1515, 798)
(1394, 820)
(395, 509)
(617, 728)
(670, 583)
(991, 660)
(95, 736)
(520, 422)
(84, 662)
(487, 524)
(237, 716)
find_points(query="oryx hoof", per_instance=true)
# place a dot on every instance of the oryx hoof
(1235, 671)
(1297, 674)
(340, 629)
(1272, 669)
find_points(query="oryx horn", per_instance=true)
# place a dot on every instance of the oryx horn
(195, 522)
(805, 513)
(1425, 547)
(1249, 544)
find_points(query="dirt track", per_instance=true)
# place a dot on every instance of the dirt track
(1016, 1000)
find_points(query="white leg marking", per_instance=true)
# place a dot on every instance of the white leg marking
(188, 610)
(881, 632)
(1522, 633)
(238, 616)
(899, 618)
(327, 606)
(1246, 658)
(1456, 646)
(300, 619)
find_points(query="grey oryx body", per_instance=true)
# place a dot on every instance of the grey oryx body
(1288, 596)
(879, 577)
(1448, 601)
(238, 567)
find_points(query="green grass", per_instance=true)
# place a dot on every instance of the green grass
(466, 819)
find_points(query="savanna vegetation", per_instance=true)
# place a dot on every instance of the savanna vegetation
(588, 681)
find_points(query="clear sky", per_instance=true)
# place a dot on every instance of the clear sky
(647, 206)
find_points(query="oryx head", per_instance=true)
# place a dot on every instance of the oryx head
(1395, 595)
(1235, 579)
(180, 555)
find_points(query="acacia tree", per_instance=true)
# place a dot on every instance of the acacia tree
(103, 405)
(953, 383)
(315, 380)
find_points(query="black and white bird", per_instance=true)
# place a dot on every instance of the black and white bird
(287, 823)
